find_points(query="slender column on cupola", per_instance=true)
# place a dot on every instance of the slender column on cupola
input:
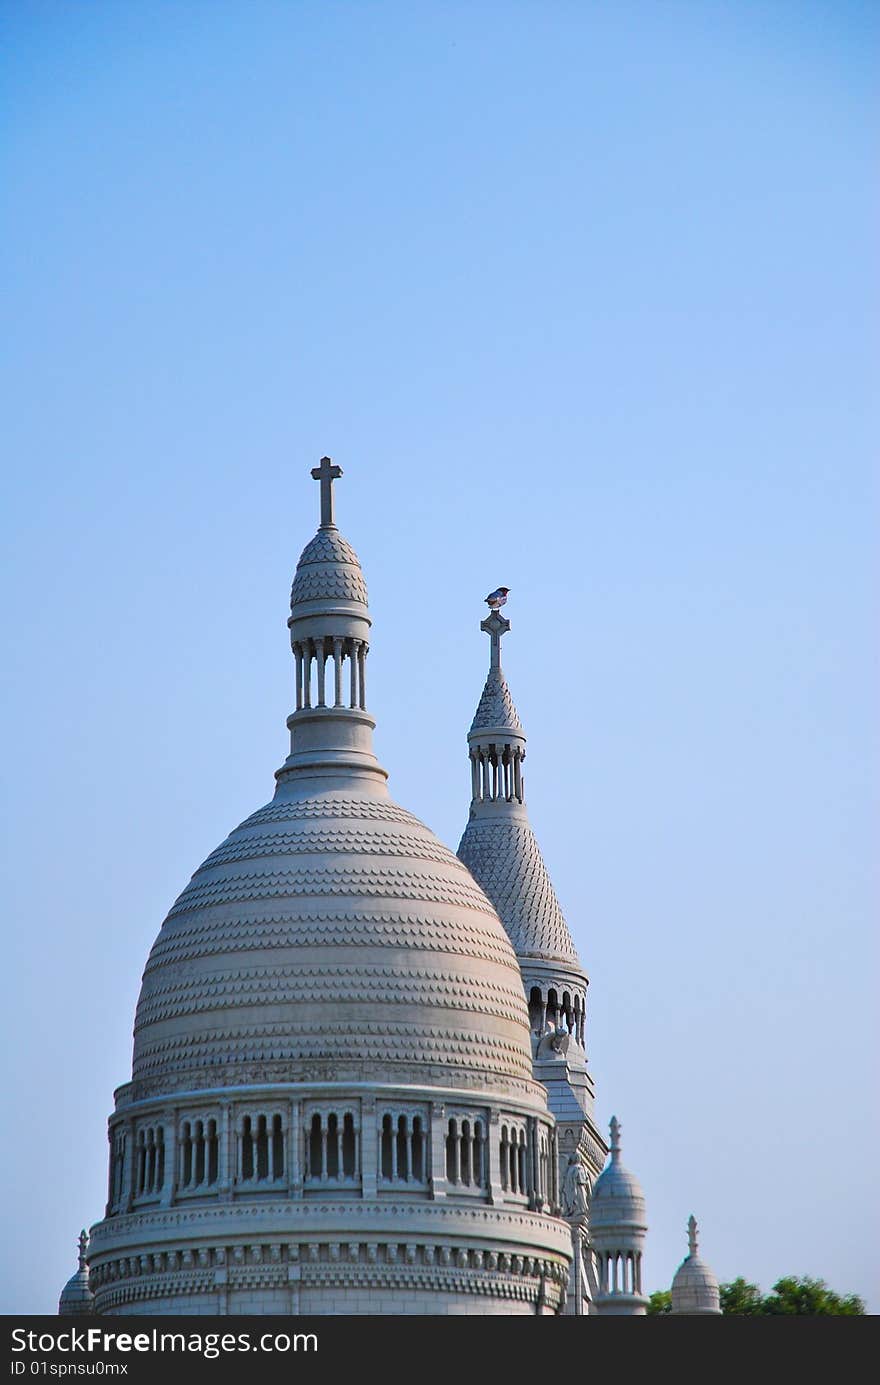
(307, 674)
(337, 662)
(322, 666)
(298, 656)
(330, 728)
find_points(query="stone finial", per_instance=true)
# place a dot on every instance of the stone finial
(692, 1235)
(326, 473)
(83, 1247)
(616, 1128)
(495, 626)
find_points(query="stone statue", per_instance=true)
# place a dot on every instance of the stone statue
(554, 1043)
(575, 1188)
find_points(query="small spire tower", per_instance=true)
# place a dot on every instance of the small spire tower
(695, 1291)
(617, 1229)
(502, 853)
(77, 1299)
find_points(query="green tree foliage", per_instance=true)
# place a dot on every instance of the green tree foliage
(742, 1299)
(660, 1302)
(810, 1298)
(790, 1296)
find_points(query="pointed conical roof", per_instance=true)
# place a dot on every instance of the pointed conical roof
(505, 859)
(498, 846)
(496, 709)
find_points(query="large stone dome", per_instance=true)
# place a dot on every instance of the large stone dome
(332, 1106)
(331, 927)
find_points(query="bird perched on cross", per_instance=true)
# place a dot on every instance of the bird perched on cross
(497, 598)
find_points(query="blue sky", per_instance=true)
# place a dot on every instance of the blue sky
(583, 298)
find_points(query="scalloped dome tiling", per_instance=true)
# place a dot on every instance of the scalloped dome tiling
(328, 569)
(330, 929)
(504, 858)
(496, 707)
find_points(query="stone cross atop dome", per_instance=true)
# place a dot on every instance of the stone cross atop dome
(495, 626)
(496, 722)
(326, 473)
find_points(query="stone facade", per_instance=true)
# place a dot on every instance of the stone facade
(332, 1106)
(360, 1081)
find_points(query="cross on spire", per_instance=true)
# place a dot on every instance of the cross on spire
(326, 473)
(495, 626)
(692, 1235)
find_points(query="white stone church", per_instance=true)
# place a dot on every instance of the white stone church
(360, 1078)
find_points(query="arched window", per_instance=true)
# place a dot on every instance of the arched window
(536, 1010)
(186, 1155)
(464, 1158)
(248, 1150)
(418, 1150)
(315, 1169)
(199, 1153)
(160, 1159)
(277, 1148)
(332, 1145)
(141, 1161)
(213, 1151)
(332, 1153)
(452, 1151)
(349, 1146)
(387, 1160)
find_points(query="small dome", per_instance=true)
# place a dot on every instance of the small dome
(328, 570)
(77, 1298)
(695, 1287)
(618, 1199)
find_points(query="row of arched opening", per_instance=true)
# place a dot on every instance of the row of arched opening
(466, 1153)
(150, 1167)
(620, 1272)
(196, 1154)
(331, 1148)
(403, 1148)
(514, 1161)
(321, 677)
(199, 1153)
(496, 774)
(261, 1142)
(551, 1011)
